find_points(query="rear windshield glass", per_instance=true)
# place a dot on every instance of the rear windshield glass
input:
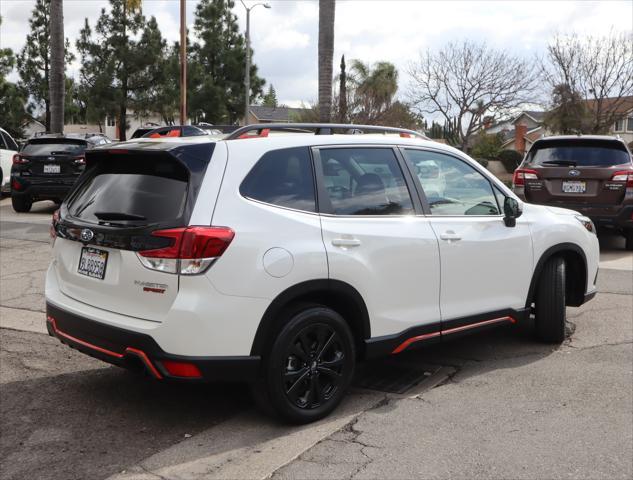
(579, 154)
(54, 148)
(132, 191)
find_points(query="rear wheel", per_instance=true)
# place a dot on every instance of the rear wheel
(628, 237)
(21, 203)
(550, 302)
(309, 367)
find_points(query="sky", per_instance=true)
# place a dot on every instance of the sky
(284, 37)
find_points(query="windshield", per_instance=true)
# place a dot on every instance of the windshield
(132, 190)
(54, 148)
(579, 154)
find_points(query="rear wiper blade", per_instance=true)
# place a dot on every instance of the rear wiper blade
(118, 216)
(560, 162)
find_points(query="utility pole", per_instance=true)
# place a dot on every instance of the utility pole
(183, 62)
(247, 74)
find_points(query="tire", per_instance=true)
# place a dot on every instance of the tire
(21, 203)
(550, 302)
(309, 367)
(628, 238)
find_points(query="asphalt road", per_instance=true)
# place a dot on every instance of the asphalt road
(506, 407)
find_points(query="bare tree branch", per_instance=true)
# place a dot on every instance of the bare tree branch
(465, 82)
(600, 69)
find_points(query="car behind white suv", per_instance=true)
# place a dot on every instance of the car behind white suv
(282, 261)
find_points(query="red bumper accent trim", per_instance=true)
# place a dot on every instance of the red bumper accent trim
(59, 333)
(128, 351)
(145, 359)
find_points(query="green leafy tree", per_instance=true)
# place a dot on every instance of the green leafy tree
(33, 62)
(568, 113)
(270, 99)
(486, 146)
(12, 97)
(218, 66)
(370, 96)
(119, 62)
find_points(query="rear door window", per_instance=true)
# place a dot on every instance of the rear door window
(580, 153)
(364, 181)
(52, 148)
(142, 190)
(283, 178)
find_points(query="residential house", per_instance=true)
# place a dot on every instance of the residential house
(33, 127)
(261, 114)
(623, 126)
(133, 120)
(526, 128)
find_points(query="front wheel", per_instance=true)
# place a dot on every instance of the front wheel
(550, 302)
(309, 367)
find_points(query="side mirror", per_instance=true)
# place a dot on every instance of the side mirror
(512, 210)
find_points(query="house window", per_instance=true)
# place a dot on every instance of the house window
(619, 125)
(110, 121)
(629, 124)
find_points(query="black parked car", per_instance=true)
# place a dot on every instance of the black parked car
(47, 166)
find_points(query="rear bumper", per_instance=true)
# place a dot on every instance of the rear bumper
(623, 218)
(602, 215)
(126, 348)
(44, 188)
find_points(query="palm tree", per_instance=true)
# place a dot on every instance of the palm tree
(375, 88)
(56, 79)
(326, 56)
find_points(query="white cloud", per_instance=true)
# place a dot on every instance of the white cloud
(284, 38)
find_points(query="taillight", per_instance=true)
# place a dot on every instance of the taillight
(53, 228)
(80, 160)
(624, 176)
(523, 174)
(17, 159)
(192, 251)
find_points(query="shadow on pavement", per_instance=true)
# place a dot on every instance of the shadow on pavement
(95, 423)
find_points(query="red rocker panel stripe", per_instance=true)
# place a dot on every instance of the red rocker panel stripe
(411, 340)
(426, 336)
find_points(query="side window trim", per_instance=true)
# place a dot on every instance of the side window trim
(456, 157)
(324, 205)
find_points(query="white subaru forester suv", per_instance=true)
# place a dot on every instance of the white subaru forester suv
(282, 260)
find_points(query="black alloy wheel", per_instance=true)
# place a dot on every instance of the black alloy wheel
(313, 368)
(309, 365)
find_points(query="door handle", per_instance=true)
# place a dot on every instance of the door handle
(346, 242)
(450, 236)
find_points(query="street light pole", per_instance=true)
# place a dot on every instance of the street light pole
(183, 63)
(247, 74)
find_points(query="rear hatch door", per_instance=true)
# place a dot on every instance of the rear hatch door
(52, 157)
(576, 172)
(122, 198)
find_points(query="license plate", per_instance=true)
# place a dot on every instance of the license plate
(92, 263)
(52, 168)
(574, 187)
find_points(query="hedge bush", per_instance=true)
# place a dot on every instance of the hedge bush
(483, 162)
(510, 159)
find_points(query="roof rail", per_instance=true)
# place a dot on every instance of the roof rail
(321, 129)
